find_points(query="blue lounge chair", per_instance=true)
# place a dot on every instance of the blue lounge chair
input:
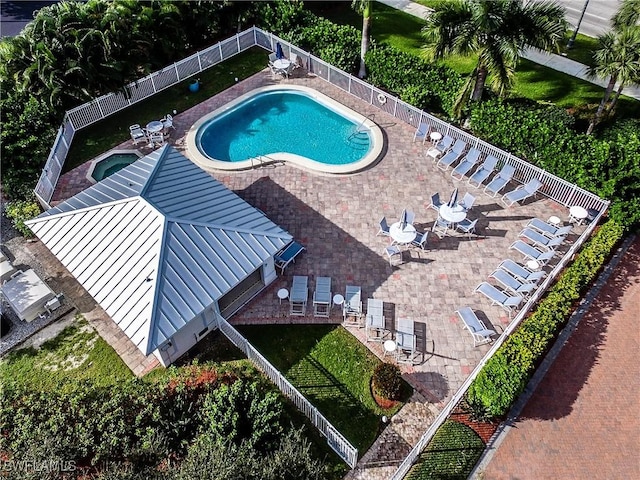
(512, 284)
(498, 297)
(471, 158)
(520, 272)
(480, 333)
(522, 192)
(452, 155)
(500, 181)
(532, 253)
(548, 229)
(287, 255)
(441, 147)
(483, 171)
(539, 239)
(422, 132)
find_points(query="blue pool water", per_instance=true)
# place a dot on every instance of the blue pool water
(283, 121)
(113, 164)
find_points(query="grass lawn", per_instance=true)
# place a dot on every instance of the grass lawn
(332, 369)
(99, 137)
(77, 353)
(451, 454)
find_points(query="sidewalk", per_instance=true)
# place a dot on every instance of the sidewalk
(549, 60)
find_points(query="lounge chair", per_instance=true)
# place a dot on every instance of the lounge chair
(483, 171)
(500, 181)
(352, 305)
(539, 239)
(467, 226)
(435, 202)
(452, 155)
(498, 297)
(548, 229)
(470, 159)
(520, 272)
(288, 254)
(299, 295)
(422, 132)
(512, 284)
(480, 333)
(440, 148)
(322, 297)
(137, 133)
(384, 227)
(375, 324)
(467, 202)
(405, 341)
(522, 192)
(532, 253)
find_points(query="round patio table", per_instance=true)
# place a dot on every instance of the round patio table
(453, 214)
(154, 126)
(402, 233)
(282, 294)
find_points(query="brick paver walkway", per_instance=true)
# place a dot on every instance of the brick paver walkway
(336, 218)
(583, 419)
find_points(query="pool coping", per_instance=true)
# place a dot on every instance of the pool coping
(212, 165)
(106, 155)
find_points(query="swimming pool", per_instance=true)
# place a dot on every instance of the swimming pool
(285, 123)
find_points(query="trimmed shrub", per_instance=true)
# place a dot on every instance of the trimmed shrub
(21, 210)
(387, 381)
(506, 374)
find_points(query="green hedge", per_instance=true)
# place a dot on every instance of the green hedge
(506, 374)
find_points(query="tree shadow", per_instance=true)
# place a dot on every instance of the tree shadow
(432, 384)
(571, 371)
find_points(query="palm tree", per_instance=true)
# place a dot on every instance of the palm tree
(627, 15)
(497, 31)
(363, 7)
(618, 57)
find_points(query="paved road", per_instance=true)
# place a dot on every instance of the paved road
(582, 420)
(596, 16)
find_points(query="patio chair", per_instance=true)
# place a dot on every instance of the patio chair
(405, 341)
(435, 202)
(452, 155)
(548, 229)
(422, 132)
(440, 227)
(299, 295)
(375, 324)
(467, 202)
(500, 181)
(483, 171)
(539, 239)
(407, 217)
(352, 305)
(498, 297)
(480, 333)
(137, 133)
(272, 57)
(156, 139)
(322, 297)
(384, 227)
(295, 61)
(467, 226)
(520, 272)
(532, 253)
(468, 162)
(512, 284)
(522, 192)
(393, 251)
(440, 148)
(287, 255)
(167, 122)
(421, 240)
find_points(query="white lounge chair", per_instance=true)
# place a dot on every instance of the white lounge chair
(352, 305)
(452, 155)
(520, 272)
(522, 192)
(405, 341)
(498, 297)
(480, 333)
(299, 295)
(483, 171)
(532, 253)
(548, 229)
(512, 284)
(375, 329)
(539, 239)
(322, 297)
(470, 159)
(500, 181)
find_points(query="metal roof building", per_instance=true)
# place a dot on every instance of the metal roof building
(164, 248)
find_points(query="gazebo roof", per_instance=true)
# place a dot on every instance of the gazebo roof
(157, 243)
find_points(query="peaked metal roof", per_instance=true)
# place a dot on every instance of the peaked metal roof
(157, 243)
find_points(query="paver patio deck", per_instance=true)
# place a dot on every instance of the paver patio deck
(336, 218)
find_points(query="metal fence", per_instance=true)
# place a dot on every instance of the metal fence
(336, 441)
(559, 190)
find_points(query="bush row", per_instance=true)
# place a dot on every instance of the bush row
(506, 374)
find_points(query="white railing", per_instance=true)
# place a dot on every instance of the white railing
(336, 441)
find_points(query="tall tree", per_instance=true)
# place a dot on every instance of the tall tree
(497, 32)
(363, 7)
(617, 57)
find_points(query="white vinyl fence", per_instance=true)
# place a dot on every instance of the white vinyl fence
(335, 440)
(561, 191)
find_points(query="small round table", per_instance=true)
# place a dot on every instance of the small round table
(389, 347)
(533, 265)
(577, 214)
(555, 221)
(338, 299)
(402, 233)
(435, 137)
(453, 214)
(155, 126)
(282, 294)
